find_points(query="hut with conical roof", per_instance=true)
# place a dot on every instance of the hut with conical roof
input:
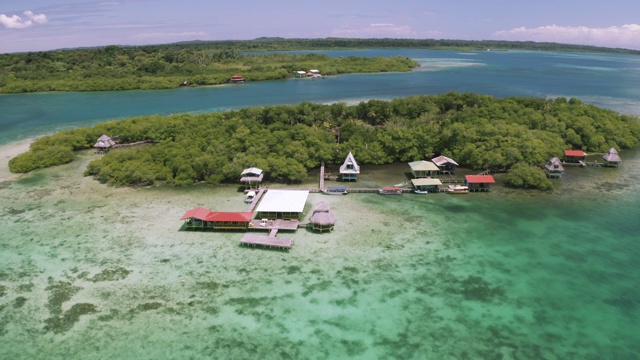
(611, 158)
(322, 221)
(104, 143)
(554, 168)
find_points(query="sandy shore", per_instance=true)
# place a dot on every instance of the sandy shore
(9, 151)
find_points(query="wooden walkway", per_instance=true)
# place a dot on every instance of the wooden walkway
(256, 199)
(322, 177)
(266, 241)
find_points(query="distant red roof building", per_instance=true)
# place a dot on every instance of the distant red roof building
(199, 213)
(480, 179)
(202, 218)
(574, 153)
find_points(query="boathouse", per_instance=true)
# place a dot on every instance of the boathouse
(423, 169)
(426, 184)
(252, 177)
(554, 168)
(300, 74)
(104, 143)
(205, 219)
(612, 158)
(349, 170)
(445, 164)
(282, 204)
(479, 182)
(574, 156)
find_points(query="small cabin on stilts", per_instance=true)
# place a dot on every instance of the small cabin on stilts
(479, 182)
(104, 143)
(251, 178)
(554, 168)
(611, 158)
(349, 170)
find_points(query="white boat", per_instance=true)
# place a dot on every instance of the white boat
(335, 190)
(458, 189)
(421, 191)
(250, 196)
(390, 190)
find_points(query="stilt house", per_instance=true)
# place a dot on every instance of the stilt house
(423, 169)
(349, 170)
(252, 177)
(574, 156)
(104, 143)
(554, 168)
(612, 158)
(445, 164)
(479, 182)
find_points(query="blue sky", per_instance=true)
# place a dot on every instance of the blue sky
(34, 25)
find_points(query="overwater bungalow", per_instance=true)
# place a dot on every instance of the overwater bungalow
(104, 143)
(282, 204)
(611, 158)
(479, 182)
(313, 73)
(554, 168)
(204, 219)
(322, 221)
(445, 164)
(300, 74)
(574, 156)
(322, 218)
(423, 169)
(349, 170)
(252, 177)
(426, 185)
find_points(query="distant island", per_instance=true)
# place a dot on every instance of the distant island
(201, 63)
(479, 131)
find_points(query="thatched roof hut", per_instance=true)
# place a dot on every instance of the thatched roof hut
(321, 207)
(612, 158)
(323, 221)
(104, 142)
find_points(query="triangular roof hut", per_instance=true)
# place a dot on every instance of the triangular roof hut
(349, 169)
(104, 142)
(612, 158)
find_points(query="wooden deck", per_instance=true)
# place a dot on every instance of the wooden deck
(266, 241)
(256, 199)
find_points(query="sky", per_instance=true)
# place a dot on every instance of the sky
(38, 25)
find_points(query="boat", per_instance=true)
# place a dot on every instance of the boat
(458, 189)
(250, 196)
(236, 79)
(335, 190)
(390, 190)
(421, 191)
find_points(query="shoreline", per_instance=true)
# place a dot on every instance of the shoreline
(9, 151)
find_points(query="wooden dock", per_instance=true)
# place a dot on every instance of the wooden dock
(266, 241)
(256, 199)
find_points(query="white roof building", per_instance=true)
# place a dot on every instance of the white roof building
(282, 204)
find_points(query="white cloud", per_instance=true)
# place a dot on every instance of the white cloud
(625, 36)
(16, 22)
(375, 30)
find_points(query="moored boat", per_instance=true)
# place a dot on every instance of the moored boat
(390, 190)
(335, 190)
(458, 189)
(421, 191)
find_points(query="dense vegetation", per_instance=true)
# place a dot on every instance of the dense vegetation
(126, 68)
(213, 62)
(478, 131)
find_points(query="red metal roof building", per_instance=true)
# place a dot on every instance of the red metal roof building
(479, 182)
(574, 156)
(201, 218)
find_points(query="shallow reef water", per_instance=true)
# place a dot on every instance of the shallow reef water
(91, 271)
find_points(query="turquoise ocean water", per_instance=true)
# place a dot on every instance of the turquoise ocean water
(88, 271)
